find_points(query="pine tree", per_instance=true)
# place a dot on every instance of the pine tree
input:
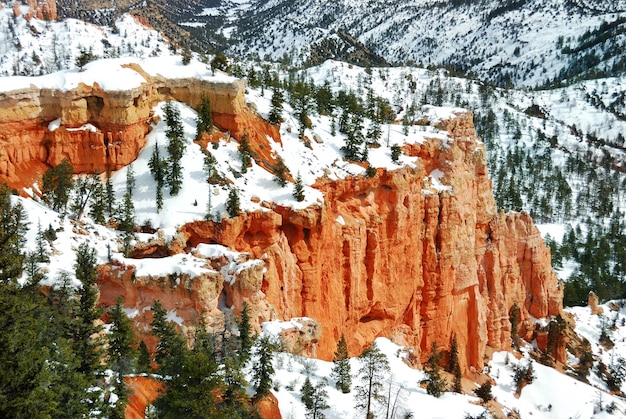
(87, 346)
(143, 359)
(232, 203)
(42, 251)
(306, 393)
(318, 402)
(121, 354)
(204, 123)
(170, 344)
(275, 116)
(374, 367)
(13, 226)
(395, 153)
(298, 189)
(83, 190)
(158, 168)
(109, 194)
(175, 147)
(245, 335)
(245, 152)
(436, 383)
(454, 367)
(263, 371)
(281, 170)
(484, 392)
(130, 179)
(57, 185)
(98, 204)
(341, 366)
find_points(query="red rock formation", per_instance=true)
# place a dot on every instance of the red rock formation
(102, 129)
(144, 390)
(392, 256)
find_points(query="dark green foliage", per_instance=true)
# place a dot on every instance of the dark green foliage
(86, 346)
(97, 206)
(616, 374)
(514, 318)
(143, 359)
(374, 368)
(158, 168)
(396, 150)
(370, 171)
(204, 123)
(523, 375)
(341, 366)
(232, 203)
(245, 152)
(170, 344)
(175, 147)
(437, 384)
(186, 56)
(191, 390)
(219, 62)
(276, 111)
(126, 220)
(298, 189)
(121, 354)
(263, 371)
(13, 226)
(84, 187)
(245, 335)
(210, 167)
(57, 185)
(130, 179)
(109, 195)
(454, 367)
(314, 399)
(84, 58)
(484, 392)
(41, 252)
(281, 170)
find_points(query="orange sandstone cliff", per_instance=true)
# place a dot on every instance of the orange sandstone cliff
(96, 129)
(419, 254)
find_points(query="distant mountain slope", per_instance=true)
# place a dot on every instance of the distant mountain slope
(522, 43)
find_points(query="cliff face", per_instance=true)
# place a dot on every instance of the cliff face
(96, 129)
(399, 255)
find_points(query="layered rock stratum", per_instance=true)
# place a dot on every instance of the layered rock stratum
(419, 254)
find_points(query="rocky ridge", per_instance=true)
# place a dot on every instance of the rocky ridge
(419, 254)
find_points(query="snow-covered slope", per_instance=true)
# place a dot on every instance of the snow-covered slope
(35, 47)
(523, 43)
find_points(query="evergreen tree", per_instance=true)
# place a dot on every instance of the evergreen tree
(281, 170)
(245, 335)
(83, 190)
(263, 371)
(220, 62)
(97, 207)
(454, 367)
(210, 167)
(245, 151)
(175, 147)
(143, 359)
(121, 354)
(109, 195)
(436, 383)
(395, 153)
(204, 123)
(13, 226)
(276, 111)
(306, 393)
(232, 203)
(341, 366)
(87, 346)
(130, 179)
(42, 251)
(170, 344)
(298, 189)
(193, 388)
(484, 392)
(318, 402)
(57, 185)
(374, 367)
(234, 402)
(158, 168)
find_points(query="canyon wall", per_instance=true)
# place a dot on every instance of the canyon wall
(96, 129)
(394, 255)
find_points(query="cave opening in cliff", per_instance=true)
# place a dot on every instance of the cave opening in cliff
(95, 104)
